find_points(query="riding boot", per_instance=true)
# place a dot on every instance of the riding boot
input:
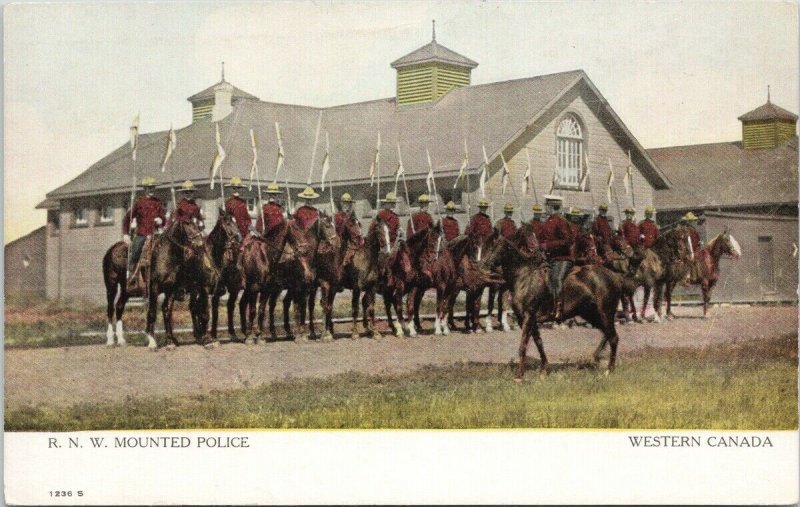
(558, 310)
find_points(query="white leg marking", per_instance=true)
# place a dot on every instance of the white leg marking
(437, 327)
(120, 334)
(445, 327)
(398, 329)
(110, 335)
(504, 320)
(488, 322)
(151, 342)
(412, 330)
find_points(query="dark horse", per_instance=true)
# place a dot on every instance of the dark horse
(668, 259)
(115, 269)
(704, 268)
(180, 259)
(591, 292)
(433, 268)
(224, 241)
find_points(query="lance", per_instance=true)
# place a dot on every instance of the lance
(589, 177)
(532, 179)
(513, 190)
(134, 145)
(435, 196)
(377, 161)
(633, 193)
(614, 190)
(314, 150)
(405, 186)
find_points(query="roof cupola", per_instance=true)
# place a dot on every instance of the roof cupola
(767, 126)
(217, 101)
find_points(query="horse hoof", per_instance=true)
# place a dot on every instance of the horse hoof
(169, 347)
(327, 337)
(355, 336)
(211, 345)
(606, 373)
(518, 380)
(303, 338)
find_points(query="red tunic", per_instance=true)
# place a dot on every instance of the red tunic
(421, 219)
(507, 227)
(630, 232)
(602, 230)
(272, 212)
(237, 206)
(145, 210)
(187, 210)
(480, 225)
(305, 216)
(451, 228)
(585, 250)
(648, 230)
(390, 218)
(339, 219)
(556, 238)
(537, 226)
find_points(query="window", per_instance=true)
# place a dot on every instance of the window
(569, 152)
(766, 267)
(80, 217)
(106, 214)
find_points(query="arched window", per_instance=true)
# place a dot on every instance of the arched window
(569, 152)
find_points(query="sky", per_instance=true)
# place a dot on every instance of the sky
(77, 73)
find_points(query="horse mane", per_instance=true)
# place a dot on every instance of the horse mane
(458, 247)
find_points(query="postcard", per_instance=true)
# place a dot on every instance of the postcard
(401, 252)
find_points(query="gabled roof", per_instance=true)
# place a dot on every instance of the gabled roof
(768, 111)
(434, 52)
(492, 115)
(208, 93)
(721, 175)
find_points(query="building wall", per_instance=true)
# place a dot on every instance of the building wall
(25, 265)
(600, 147)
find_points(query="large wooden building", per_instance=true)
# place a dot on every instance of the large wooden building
(554, 121)
(749, 187)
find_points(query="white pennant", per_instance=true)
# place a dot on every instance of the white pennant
(375, 161)
(254, 164)
(585, 172)
(218, 158)
(171, 142)
(429, 178)
(134, 136)
(506, 172)
(610, 184)
(464, 164)
(527, 176)
(325, 160)
(484, 174)
(281, 155)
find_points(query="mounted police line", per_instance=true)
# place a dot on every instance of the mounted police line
(587, 267)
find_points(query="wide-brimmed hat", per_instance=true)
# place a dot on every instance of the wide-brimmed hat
(424, 198)
(553, 199)
(187, 186)
(649, 210)
(603, 207)
(508, 207)
(273, 188)
(148, 182)
(390, 197)
(630, 211)
(235, 182)
(308, 193)
(483, 203)
(690, 217)
(451, 206)
(537, 208)
(575, 212)
(346, 198)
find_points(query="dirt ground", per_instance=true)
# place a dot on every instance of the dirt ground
(63, 376)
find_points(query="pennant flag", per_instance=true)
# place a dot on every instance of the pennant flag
(553, 182)
(134, 136)
(627, 179)
(326, 165)
(400, 169)
(375, 161)
(506, 172)
(254, 165)
(171, 141)
(484, 175)
(218, 158)
(464, 164)
(429, 178)
(585, 177)
(526, 178)
(610, 183)
(281, 156)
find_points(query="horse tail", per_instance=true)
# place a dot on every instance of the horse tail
(107, 266)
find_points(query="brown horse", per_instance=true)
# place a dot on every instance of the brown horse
(672, 249)
(224, 241)
(433, 268)
(591, 292)
(115, 269)
(470, 278)
(704, 270)
(180, 259)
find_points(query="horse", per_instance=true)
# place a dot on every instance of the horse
(704, 267)
(672, 249)
(434, 268)
(115, 269)
(620, 257)
(180, 260)
(470, 278)
(327, 262)
(395, 273)
(591, 292)
(224, 243)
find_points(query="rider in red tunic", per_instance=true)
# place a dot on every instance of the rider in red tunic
(149, 214)
(584, 249)
(188, 209)
(690, 222)
(343, 215)
(388, 216)
(628, 228)
(306, 215)
(480, 225)
(237, 206)
(556, 241)
(271, 212)
(449, 223)
(506, 225)
(421, 219)
(602, 230)
(536, 221)
(648, 230)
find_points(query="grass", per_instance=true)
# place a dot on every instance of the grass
(749, 385)
(34, 323)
